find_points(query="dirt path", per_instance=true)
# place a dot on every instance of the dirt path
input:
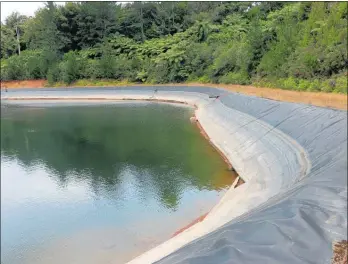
(338, 101)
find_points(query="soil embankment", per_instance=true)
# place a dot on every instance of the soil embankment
(338, 101)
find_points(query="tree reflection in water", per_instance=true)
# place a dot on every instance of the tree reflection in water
(95, 144)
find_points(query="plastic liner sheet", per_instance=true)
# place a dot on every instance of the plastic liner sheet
(300, 224)
(297, 224)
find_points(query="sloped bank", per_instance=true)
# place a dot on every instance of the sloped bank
(293, 159)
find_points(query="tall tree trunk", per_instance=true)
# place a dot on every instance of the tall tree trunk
(142, 23)
(172, 15)
(18, 43)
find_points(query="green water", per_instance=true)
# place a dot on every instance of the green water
(102, 183)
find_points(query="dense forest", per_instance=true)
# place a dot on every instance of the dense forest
(289, 45)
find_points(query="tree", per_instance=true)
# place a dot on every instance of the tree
(287, 45)
(8, 42)
(15, 22)
(96, 21)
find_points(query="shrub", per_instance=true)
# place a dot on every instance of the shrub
(199, 57)
(141, 76)
(341, 84)
(70, 67)
(4, 71)
(33, 69)
(90, 69)
(106, 67)
(14, 68)
(288, 83)
(53, 74)
(203, 79)
(233, 58)
(314, 86)
(258, 82)
(235, 78)
(158, 73)
(328, 85)
(303, 85)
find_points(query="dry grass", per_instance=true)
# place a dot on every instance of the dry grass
(340, 252)
(338, 101)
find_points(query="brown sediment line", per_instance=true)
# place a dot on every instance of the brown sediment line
(202, 217)
(223, 156)
(197, 220)
(240, 181)
(205, 135)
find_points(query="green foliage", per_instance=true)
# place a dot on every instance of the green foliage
(231, 59)
(89, 68)
(53, 74)
(199, 57)
(295, 46)
(303, 85)
(8, 42)
(288, 83)
(33, 64)
(11, 34)
(107, 63)
(341, 84)
(235, 78)
(336, 84)
(26, 66)
(314, 86)
(70, 67)
(14, 69)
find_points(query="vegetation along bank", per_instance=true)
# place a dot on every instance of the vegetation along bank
(293, 46)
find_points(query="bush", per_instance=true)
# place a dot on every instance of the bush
(233, 58)
(328, 85)
(204, 79)
(89, 69)
(4, 72)
(159, 72)
(199, 57)
(259, 82)
(53, 74)
(48, 58)
(314, 86)
(15, 69)
(288, 84)
(70, 67)
(126, 68)
(34, 64)
(235, 78)
(341, 84)
(106, 67)
(303, 85)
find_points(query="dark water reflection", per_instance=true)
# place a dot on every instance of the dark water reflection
(74, 175)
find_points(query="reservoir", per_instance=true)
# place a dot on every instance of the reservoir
(101, 183)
